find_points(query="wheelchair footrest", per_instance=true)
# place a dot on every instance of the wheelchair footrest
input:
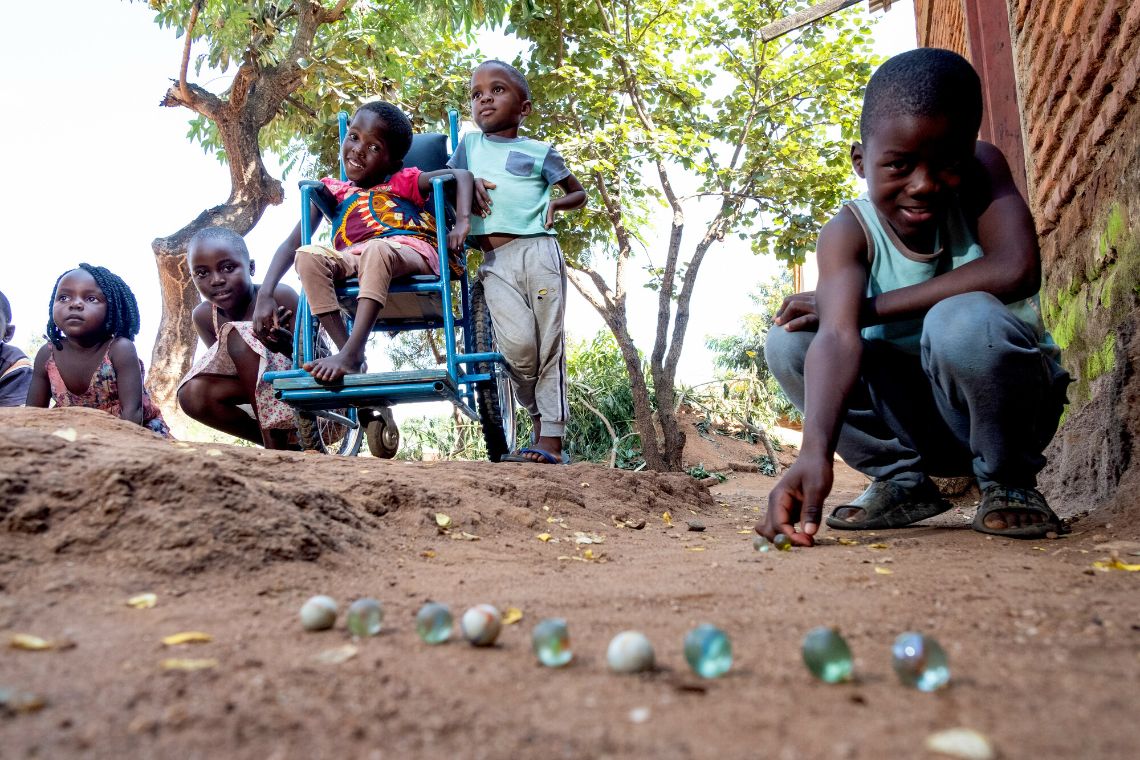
(299, 379)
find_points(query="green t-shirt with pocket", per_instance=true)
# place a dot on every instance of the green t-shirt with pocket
(523, 171)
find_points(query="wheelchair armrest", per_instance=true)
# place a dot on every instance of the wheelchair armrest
(321, 197)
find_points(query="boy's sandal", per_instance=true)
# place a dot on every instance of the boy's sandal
(999, 498)
(545, 457)
(887, 504)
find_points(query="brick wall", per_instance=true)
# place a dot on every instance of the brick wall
(1078, 72)
(941, 24)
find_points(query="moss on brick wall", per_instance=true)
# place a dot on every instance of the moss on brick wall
(1084, 312)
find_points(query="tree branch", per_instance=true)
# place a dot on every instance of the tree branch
(182, 89)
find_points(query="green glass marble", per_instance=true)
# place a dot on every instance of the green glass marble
(782, 542)
(433, 623)
(708, 651)
(364, 617)
(760, 544)
(827, 655)
(920, 662)
(551, 642)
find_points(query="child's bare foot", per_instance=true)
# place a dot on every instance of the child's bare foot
(333, 368)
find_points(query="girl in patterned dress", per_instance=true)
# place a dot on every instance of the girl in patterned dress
(225, 389)
(90, 358)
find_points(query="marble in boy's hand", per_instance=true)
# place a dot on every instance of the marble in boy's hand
(481, 199)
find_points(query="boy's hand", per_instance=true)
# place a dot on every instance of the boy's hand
(550, 211)
(457, 235)
(483, 202)
(800, 493)
(798, 312)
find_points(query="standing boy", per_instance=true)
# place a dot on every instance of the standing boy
(930, 357)
(15, 367)
(523, 273)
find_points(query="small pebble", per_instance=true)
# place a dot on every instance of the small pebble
(318, 613)
(481, 625)
(964, 743)
(639, 715)
(695, 525)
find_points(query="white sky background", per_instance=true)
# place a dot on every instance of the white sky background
(95, 169)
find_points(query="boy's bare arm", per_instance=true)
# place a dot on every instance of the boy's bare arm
(39, 390)
(464, 183)
(831, 369)
(574, 196)
(265, 307)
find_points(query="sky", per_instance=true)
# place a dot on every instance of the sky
(108, 170)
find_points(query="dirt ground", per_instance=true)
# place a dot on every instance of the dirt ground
(1044, 649)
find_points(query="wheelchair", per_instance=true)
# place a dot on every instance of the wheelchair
(336, 418)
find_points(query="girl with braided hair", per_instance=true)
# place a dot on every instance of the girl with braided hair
(90, 358)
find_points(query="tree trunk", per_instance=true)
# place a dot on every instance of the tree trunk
(174, 346)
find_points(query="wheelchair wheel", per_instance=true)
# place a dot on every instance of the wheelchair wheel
(494, 398)
(382, 433)
(328, 431)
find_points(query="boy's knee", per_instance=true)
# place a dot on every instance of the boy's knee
(190, 398)
(784, 351)
(972, 329)
(311, 266)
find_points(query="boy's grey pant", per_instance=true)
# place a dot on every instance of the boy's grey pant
(981, 397)
(525, 283)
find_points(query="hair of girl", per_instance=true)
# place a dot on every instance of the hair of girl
(122, 308)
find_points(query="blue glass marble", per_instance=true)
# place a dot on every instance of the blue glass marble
(920, 662)
(708, 651)
(827, 655)
(433, 623)
(551, 641)
(760, 544)
(364, 618)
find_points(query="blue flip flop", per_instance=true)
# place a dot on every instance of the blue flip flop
(519, 456)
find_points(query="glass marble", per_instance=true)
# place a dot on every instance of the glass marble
(782, 542)
(551, 641)
(827, 655)
(760, 544)
(318, 613)
(920, 662)
(433, 623)
(708, 651)
(364, 617)
(481, 625)
(630, 652)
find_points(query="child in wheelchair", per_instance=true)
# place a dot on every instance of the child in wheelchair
(382, 231)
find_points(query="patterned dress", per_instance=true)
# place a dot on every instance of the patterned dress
(271, 413)
(103, 393)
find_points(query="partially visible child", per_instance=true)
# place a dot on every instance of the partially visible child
(90, 358)
(15, 367)
(383, 231)
(930, 357)
(227, 379)
(523, 273)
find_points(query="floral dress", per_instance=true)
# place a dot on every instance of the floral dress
(103, 393)
(271, 413)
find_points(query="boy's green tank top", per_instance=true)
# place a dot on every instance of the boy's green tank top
(892, 265)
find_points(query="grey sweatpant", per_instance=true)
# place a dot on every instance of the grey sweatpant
(980, 398)
(525, 283)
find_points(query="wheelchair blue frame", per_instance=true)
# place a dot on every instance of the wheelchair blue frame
(454, 382)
